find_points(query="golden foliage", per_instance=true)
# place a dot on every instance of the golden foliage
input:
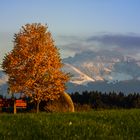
(34, 64)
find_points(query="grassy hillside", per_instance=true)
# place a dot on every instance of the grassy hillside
(108, 124)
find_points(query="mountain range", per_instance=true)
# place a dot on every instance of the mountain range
(104, 71)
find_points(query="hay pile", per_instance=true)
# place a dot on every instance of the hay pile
(63, 104)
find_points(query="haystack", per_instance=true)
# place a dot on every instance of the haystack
(63, 104)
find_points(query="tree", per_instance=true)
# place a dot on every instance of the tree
(34, 65)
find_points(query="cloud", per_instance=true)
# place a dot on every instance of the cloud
(75, 44)
(123, 41)
(128, 44)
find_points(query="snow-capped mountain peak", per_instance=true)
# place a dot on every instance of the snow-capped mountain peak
(78, 77)
(103, 66)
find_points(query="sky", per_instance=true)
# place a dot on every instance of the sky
(76, 25)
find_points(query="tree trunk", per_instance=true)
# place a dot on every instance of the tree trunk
(15, 110)
(37, 106)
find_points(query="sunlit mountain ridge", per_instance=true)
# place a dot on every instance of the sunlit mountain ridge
(105, 66)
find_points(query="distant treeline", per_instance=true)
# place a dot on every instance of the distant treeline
(88, 100)
(97, 100)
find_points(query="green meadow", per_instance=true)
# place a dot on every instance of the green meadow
(106, 124)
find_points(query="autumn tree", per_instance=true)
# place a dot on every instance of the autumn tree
(34, 65)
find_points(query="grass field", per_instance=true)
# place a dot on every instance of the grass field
(107, 124)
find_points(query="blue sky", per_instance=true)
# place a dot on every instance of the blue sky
(73, 22)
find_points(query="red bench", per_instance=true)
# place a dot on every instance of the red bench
(21, 103)
(8, 103)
